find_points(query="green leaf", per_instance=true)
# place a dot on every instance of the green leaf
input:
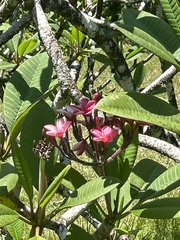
(91, 191)
(20, 163)
(102, 58)
(166, 208)
(77, 35)
(125, 197)
(13, 43)
(26, 47)
(171, 10)
(68, 36)
(7, 216)
(142, 107)
(143, 174)
(134, 53)
(79, 232)
(16, 229)
(17, 126)
(4, 26)
(37, 238)
(8, 183)
(72, 180)
(139, 74)
(150, 32)
(38, 116)
(121, 231)
(6, 65)
(27, 84)
(52, 189)
(122, 165)
(8, 178)
(166, 182)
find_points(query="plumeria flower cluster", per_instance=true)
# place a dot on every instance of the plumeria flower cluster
(92, 129)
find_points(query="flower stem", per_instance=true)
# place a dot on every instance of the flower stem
(42, 189)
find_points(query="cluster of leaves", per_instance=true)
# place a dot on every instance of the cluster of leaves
(28, 96)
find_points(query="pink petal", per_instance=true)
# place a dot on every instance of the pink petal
(106, 130)
(98, 139)
(96, 132)
(59, 123)
(51, 130)
(66, 126)
(84, 103)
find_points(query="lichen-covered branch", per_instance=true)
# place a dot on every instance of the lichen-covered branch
(160, 146)
(19, 25)
(169, 73)
(67, 85)
(84, 23)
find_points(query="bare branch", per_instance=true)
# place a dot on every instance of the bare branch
(67, 85)
(71, 214)
(169, 73)
(17, 26)
(160, 146)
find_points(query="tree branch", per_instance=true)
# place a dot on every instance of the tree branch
(160, 146)
(67, 85)
(17, 26)
(105, 229)
(169, 73)
(85, 24)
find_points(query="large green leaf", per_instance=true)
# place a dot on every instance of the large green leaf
(16, 229)
(17, 126)
(171, 10)
(34, 122)
(143, 174)
(27, 84)
(52, 189)
(20, 163)
(167, 181)
(166, 208)
(122, 165)
(150, 32)
(91, 191)
(79, 233)
(142, 107)
(7, 216)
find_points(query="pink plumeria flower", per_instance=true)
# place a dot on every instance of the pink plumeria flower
(80, 147)
(86, 107)
(105, 134)
(59, 130)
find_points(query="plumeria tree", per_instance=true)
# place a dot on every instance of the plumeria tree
(56, 116)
